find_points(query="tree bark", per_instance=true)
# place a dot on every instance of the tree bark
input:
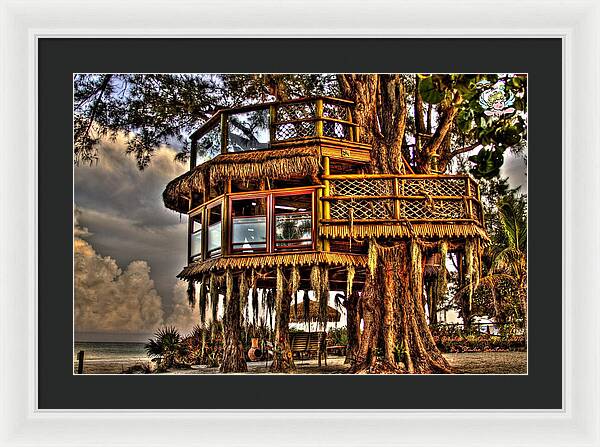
(395, 324)
(352, 325)
(233, 350)
(283, 360)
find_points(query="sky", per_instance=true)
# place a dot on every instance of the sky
(128, 248)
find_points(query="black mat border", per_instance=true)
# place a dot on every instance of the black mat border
(59, 58)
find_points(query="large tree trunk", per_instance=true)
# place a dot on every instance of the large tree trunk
(395, 324)
(233, 350)
(392, 301)
(283, 360)
(352, 326)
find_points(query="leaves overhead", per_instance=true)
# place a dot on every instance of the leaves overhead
(451, 114)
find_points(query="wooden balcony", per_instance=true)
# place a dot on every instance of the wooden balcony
(401, 205)
(320, 120)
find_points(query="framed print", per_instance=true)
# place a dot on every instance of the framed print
(341, 237)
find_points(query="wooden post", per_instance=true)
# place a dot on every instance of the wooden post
(319, 116)
(272, 121)
(225, 219)
(224, 133)
(327, 193)
(193, 153)
(470, 202)
(397, 203)
(80, 362)
(351, 128)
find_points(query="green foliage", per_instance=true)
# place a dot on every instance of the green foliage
(155, 109)
(474, 125)
(166, 346)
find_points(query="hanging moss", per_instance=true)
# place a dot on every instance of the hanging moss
(294, 280)
(470, 261)
(315, 281)
(202, 301)
(442, 280)
(243, 287)
(191, 293)
(351, 271)
(254, 294)
(214, 296)
(416, 262)
(324, 296)
(306, 306)
(280, 287)
(372, 257)
(228, 287)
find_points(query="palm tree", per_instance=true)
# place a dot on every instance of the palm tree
(506, 276)
(165, 345)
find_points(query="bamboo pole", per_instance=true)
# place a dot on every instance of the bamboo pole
(397, 202)
(326, 192)
(272, 121)
(319, 117)
(224, 132)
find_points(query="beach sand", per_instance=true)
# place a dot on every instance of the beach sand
(463, 363)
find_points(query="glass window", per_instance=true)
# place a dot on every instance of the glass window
(248, 131)
(249, 232)
(209, 145)
(213, 245)
(196, 237)
(293, 221)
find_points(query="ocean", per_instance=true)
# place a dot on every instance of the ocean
(109, 357)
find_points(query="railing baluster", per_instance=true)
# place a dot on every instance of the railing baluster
(272, 120)
(319, 117)
(397, 202)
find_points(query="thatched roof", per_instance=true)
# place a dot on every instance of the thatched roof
(280, 164)
(259, 261)
(421, 230)
(297, 313)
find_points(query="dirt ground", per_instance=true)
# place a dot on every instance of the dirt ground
(463, 363)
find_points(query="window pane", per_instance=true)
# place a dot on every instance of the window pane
(248, 131)
(209, 145)
(214, 238)
(196, 247)
(213, 244)
(196, 224)
(293, 228)
(196, 236)
(249, 224)
(293, 221)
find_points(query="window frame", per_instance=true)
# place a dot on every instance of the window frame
(294, 248)
(244, 196)
(218, 201)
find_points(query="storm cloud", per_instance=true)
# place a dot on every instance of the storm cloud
(123, 231)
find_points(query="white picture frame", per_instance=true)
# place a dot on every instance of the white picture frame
(577, 23)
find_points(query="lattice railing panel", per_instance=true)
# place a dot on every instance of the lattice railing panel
(433, 187)
(434, 209)
(456, 203)
(334, 129)
(336, 111)
(362, 187)
(296, 111)
(362, 209)
(294, 130)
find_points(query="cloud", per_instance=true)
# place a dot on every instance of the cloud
(121, 304)
(108, 299)
(182, 316)
(122, 212)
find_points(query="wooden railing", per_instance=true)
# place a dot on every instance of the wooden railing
(398, 198)
(266, 125)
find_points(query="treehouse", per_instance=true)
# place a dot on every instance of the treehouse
(287, 184)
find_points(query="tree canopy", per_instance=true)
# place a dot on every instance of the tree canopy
(428, 119)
